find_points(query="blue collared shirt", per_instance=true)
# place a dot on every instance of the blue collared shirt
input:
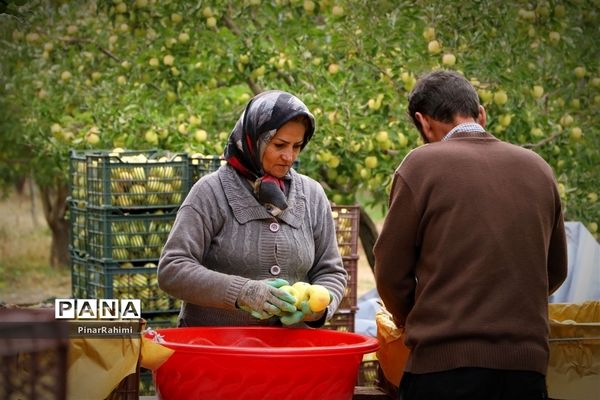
(469, 127)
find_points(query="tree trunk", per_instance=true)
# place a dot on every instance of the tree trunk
(368, 235)
(54, 203)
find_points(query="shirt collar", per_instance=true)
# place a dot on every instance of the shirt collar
(467, 127)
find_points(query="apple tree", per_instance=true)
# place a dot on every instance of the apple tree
(143, 74)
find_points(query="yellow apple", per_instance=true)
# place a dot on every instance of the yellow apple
(176, 18)
(579, 72)
(429, 33)
(301, 292)
(382, 136)
(291, 291)
(592, 197)
(211, 22)
(576, 133)
(151, 136)
(500, 97)
(168, 60)
(121, 8)
(309, 6)
(448, 59)
(183, 37)
(337, 11)
(537, 91)
(371, 162)
(318, 297)
(566, 120)
(333, 68)
(434, 47)
(92, 138)
(207, 12)
(200, 135)
(592, 227)
(121, 80)
(402, 140)
(505, 120)
(554, 37)
(66, 75)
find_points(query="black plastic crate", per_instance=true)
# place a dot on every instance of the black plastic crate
(33, 354)
(146, 383)
(203, 165)
(129, 179)
(79, 276)
(127, 237)
(77, 228)
(347, 219)
(342, 320)
(349, 301)
(112, 280)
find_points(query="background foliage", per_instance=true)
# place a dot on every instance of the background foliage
(175, 75)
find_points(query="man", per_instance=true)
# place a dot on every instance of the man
(471, 248)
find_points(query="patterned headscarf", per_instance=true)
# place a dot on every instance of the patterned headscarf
(263, 116)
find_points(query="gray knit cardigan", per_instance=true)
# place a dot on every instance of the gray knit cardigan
(223, 237)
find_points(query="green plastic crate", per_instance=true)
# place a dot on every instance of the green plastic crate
(112, 280)
(129, 180)
(123, 237)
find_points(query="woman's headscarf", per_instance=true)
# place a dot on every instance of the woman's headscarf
(263, 116)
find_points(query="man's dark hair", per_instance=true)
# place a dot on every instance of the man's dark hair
(443, 95)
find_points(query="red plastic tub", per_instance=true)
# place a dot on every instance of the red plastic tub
(260, 363)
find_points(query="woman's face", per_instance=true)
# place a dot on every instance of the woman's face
(283, 149)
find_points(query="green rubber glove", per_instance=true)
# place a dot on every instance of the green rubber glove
(262, 300)
(310, 315)
(277, 283)
(292, 318)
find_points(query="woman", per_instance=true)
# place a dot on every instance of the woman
(254, 225)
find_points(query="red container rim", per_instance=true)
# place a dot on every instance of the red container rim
(347, 342)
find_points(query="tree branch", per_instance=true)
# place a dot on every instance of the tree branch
(542, 142)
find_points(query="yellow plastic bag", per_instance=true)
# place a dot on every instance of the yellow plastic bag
(392, 353)
(574, 365)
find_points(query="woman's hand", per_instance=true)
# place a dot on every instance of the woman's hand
(262, 300)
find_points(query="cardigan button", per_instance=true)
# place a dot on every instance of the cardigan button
(275, 270)
(274, 227)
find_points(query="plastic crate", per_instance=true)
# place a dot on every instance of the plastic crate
(129, 179)
(112, 280)
(342, 320)
(123, 237)
(79, 276)
(203, 165)
(347, 219)
(128, 388)
(146, 383)
(77, 228)
(368, 373)
(33, 354)
(349, 301)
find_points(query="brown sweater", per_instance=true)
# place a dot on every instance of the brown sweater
(469, 252)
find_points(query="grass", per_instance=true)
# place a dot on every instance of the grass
(25, 274)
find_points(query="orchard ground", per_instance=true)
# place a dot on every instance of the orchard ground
(25, 275)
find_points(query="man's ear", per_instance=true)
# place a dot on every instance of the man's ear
(426, 130)
(482, 118)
